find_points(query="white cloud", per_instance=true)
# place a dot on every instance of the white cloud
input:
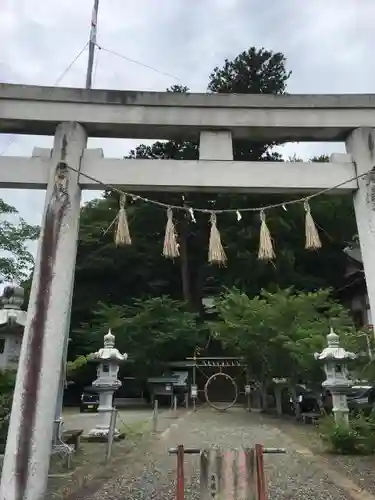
(328, 45)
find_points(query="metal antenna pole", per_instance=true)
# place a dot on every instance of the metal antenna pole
(92, 44)
(57, 441)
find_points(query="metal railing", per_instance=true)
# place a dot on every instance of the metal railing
(229, 474)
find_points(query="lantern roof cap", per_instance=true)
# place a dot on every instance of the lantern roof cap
(11, 301)
(334, 351)
(109, 352)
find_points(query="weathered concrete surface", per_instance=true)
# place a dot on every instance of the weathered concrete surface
(185, 175)
(361, 145)
(26, 462)
(161, 115)
(151, 474)
(215, 145)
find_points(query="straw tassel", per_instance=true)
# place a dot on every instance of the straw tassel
(122, 235)
(265, 241)
(312, 236)
(171, 247)
(216, 253)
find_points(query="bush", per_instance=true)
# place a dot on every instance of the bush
(7, 382)
(357, 438)
(5, 408)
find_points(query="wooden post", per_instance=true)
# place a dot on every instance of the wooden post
(278, 398)
(261, 481)
(175, 406)
(194, 384)
(248, 390)
(155, 416)
(111, 433)
(26, 461)
(180, 491)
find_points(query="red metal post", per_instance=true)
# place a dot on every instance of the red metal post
(180, 488)
(261, 481)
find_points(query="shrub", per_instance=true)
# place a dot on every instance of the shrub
(7, 382)
(5, 408)
(356, 438)
(340, 438)
(365, 428)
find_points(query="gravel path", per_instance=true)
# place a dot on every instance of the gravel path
(150, 474)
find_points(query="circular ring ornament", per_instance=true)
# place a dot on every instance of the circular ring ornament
(229, 379)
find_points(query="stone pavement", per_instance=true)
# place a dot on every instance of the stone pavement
(150, 473)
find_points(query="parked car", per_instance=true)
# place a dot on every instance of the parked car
(89, 401)
(309, 403)
(361, 398)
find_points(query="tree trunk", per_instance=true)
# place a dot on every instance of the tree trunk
(197, 281)
(264, 396)
(184, 257)
(296, 406)
(278, 399)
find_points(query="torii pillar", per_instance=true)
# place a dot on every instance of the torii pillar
(25, 467)
(361, 145)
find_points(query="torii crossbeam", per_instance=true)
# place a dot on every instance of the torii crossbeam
(71, 115)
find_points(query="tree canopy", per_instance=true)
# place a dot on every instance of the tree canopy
(152, 331)
(278, 333)
(120, 277)
(16, 260)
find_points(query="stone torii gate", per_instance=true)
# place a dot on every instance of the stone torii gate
(71, 115)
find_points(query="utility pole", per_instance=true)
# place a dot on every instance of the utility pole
(58, 446)
(92, 44)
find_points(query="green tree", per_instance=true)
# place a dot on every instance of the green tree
(7, 383)
(253, 71)
(120, 275)
(278, 333)
(16, 261)
(151, 331)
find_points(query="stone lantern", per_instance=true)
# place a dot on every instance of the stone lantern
(12, 323)
(109, 359)
(337, 381)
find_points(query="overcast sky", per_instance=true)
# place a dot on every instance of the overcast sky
(329, 46)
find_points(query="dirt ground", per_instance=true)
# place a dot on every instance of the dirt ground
(88, 469)
(146, 471)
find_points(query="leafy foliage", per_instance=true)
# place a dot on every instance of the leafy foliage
(74, 367)
(7, 383)
(356, 438)
(152, 331)
(279, 332)
(252, 71)
(114, 276)
(17, 260)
